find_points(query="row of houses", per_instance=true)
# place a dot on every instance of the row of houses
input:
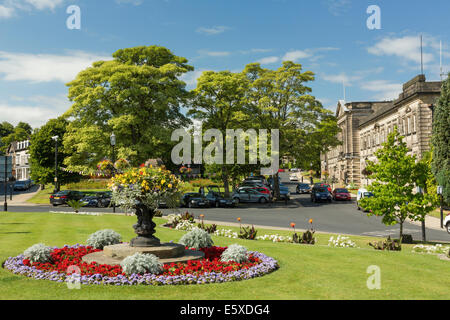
(19, 151)
(366, 125)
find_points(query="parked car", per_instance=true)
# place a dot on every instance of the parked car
(320, 194)
(362, 193)
(294, 170)
(323, 185)
(63, 197)
(194, 200)
(219, 200)
(447, 223)
(259, 188)
(341, 194)
(104, 199)
(90, 200)
(22, 185)
(285, 194)
(251, 195)
(303, 188)
(293, 177)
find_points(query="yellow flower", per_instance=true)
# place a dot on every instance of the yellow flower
(163, 181)
(170, 185)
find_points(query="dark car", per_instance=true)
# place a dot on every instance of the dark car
(323, 185)
(21, 185)
(90, 200)
(104, 199)
(341, 194)
(250, 195)
(219, 200)
(285, 194)
(320, 194)
(63, 197)
(194, 200)
(303, 188)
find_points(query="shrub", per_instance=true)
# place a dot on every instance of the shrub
(103, 238)
(158, 213)
(197, 183)
(38, 253)
(76, 204)
(141, 263)
(88, 184)
(185, 225)
(248, 233)
(388, 244)
(210, 229)
(307, 237)
(235, 253)
(188, 217)
(197, 238)
(436, 249)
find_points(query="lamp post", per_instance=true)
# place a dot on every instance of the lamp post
(55, 138)
(440, 191)
(113, 145)
(424, 237)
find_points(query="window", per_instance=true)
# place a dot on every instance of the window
(414, 123)
(408, 125)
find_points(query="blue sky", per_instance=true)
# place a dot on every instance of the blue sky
(38, 54)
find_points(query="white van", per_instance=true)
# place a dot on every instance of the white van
(362, 193)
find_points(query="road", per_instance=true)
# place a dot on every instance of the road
(336, 217)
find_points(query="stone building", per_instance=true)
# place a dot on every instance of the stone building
(365, 126)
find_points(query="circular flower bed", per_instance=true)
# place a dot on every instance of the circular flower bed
(208, 270)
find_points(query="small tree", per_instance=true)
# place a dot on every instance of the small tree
(396, 174)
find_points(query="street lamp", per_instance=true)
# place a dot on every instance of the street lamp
(440, 191)
(113, 145)
(55, 138)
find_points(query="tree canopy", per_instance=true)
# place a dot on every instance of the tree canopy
(137, 95)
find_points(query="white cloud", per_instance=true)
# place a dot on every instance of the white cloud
(296, 55)
(214, 53)
(212, 30)
(341, 78)
(133, 2)
(386, 90)
(338, 7)
(407, 47)
(190, 78)
(269, 60)
(45, 67)
(45, 4)
(6, 12)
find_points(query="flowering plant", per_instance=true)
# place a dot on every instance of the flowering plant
(436, 249)
(122, 164)
(106, 166)
(341, 242)
(208, 270)
(147, 186)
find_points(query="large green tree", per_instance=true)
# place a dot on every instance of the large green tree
(8, 134)
(42, 153)
(218, 102)
(441, 140)
(280, 99)
(396, 176)
(137, 95)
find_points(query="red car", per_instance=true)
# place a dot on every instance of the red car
(262, 190)
(341, 194)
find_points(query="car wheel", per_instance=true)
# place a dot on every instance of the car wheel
(217, 204)
(448, 227)
(262, 200)
(54, 204)
(357, 205)
(237, 200)
(190, 205)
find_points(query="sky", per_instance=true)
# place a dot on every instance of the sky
(39, 54)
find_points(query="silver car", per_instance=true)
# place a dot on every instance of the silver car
(251, 195)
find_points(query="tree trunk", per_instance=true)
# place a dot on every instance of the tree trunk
(226, 185)
(276, 186)
(401, 231)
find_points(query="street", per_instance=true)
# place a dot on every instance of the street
(336, 217)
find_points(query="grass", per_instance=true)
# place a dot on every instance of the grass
(306, 272)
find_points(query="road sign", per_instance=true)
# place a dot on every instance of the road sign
(8, 167)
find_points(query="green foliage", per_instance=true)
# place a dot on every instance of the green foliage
(140, 263)
(248, 233)
(197, 183)
(197, 238)
(103, 238)
(38, 253)
(441, 140)
(210, 229)
(306, 238)
(9, 133)
(88, 184)
(388, 244)
(235, 253)
(396, 175)
(42, 154)
(137, 96)
(76, 204)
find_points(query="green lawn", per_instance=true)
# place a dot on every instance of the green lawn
(306, 272)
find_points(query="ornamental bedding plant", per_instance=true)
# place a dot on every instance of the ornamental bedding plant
(209, 270)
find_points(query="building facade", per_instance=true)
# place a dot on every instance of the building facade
(21, 159)
(366, 125)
